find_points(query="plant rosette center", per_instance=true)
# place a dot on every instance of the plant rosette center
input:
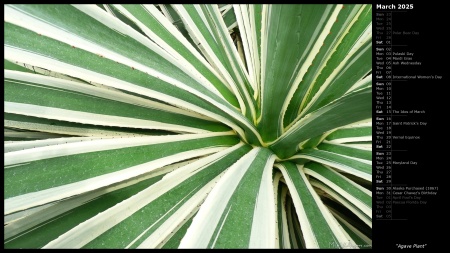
(188, 126)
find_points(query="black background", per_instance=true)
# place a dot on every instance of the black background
(419, 224)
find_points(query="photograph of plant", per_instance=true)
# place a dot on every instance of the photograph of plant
(188, 126)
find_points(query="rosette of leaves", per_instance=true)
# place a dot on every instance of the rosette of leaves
(187, 126)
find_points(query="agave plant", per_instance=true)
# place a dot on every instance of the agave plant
(187, 126)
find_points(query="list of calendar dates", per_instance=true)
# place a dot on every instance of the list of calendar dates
(399, 126)
(409, 106)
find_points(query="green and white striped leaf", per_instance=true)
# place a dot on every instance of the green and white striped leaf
(347, 150)
(229, 18)
(360, 197)
(208, 30)
(358, 167)
(65, 128)
(246, 84)
(11, 66)
(336, 197)
(94, 164)
(245, 16)
(280, 193)
(295, 233)
(353, 107)
(239, 212)
(313, 142)
(360, 239)
(354, 56)
(36, 95)
(108, 60)
(355, 132)
(289, 43)
(319, 227)
(151, 215)
(108, 8)
(342, 61)
(18, 136)
(39, 228)
(162, 32)
(22, 145)
(169, 12)
(37, 70)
